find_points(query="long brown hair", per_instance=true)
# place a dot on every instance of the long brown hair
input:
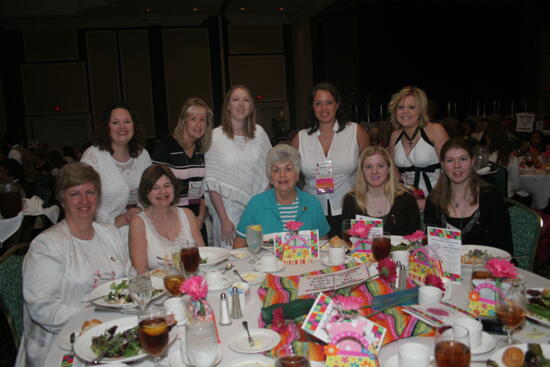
(104, 141)
(441, 195)
(250, 126)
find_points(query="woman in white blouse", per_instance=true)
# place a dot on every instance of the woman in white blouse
(161, 225)
(66, 262)
(235, 164)
(120, 159)
(329, 150)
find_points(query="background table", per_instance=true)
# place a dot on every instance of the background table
(538, 185)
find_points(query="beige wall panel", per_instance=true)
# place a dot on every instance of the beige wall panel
(186, 68)
(255, 39)
(264, 75)
(50, 44)
(102, 71)
(49, 85)
(136, 76)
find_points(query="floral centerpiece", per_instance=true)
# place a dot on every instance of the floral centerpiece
(197, 288)
(293, 227)
(501, 270)
(416, 239)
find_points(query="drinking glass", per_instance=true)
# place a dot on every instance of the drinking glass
(254, 238)
(190, 259)
(141, 290)
(511, 309)
(346, 227)
(452, 346)
(153, 333)
(381, 247)
(201, 343)
(292, 361)
(173, 270)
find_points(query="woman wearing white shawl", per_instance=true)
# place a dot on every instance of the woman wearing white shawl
(235, 164)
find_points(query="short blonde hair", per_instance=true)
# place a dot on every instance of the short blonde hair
(421, 101)
(204, 143)
(250, 127)
(282, 153)
(392, 186)
(76, 174)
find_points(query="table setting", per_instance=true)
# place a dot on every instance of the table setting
(288, 299)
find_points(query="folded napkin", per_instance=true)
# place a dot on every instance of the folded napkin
(34, 206)
(399, 298)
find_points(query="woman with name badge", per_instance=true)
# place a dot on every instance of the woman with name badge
(329, 150)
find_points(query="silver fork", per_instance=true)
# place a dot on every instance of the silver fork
(250, 340)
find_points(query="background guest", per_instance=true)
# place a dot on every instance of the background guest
(329, 150)
(235, 163)
(120, 159)
(184, 152)
(161, 224)
(463, 201)
(66, 262)
(284, 202)
(378, 193)
(415, 143)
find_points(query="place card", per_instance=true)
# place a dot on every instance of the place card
(422, 264)
(297, 248)
(438, 314)
(333, 280)
(447, 244)
(482, 299)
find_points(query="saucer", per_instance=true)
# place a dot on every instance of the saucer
(326, 261)
(488, 343)
(280, 267)
(226, 283)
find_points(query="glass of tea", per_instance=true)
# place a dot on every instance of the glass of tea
(153, 333)
(452, 346)
(173, 270)
(190, 259)
(346, 227)
(381, 247)
(511, 309)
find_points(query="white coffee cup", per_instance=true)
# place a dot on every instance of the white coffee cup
(336, 255)
(448, 289)
(216, 279)
(428, 295)
(402, 256)
(414, 355)
(176, 306)
(475, 330)
(269, 263)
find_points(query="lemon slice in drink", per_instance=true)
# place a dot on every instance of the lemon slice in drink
(256, 227)
(155, 329)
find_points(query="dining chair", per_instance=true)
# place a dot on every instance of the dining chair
(526, 227)
(11, 290)
(498, 177)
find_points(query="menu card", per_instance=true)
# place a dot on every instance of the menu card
(333, 280)
(297, 248)
(447, 244)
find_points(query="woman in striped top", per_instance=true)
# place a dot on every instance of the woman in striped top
(284, 202)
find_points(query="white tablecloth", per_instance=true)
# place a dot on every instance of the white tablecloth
(252, 312)
(539, 188)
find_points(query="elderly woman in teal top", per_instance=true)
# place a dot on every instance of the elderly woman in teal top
(284, 202)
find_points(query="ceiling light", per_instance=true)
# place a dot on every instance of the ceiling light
(242, 9)
(282, 9)
(147, 9)
(195, 9)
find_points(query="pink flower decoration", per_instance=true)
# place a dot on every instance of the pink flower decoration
(434, 281)
(278, 322)
(415, 237)
(348, 303)
(360, 229)
(195, 286)
(293, 226)
(386, 270)
(501, 268)
(438, 311)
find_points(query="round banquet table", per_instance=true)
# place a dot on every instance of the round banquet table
(538, 185)
(252, 310)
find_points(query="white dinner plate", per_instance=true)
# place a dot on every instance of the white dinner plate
(226, 283)
(497, 356)
(175, 360)
(326, 261)
(98, 294)
(534, 316)
(492, 251)
(253, 277)
(280, 266)
(82, 346)
(264, 339)
(213, 255)
(253, 361)
(240, 254)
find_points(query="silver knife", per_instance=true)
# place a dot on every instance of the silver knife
(129, 311)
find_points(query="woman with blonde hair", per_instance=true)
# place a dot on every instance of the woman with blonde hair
(378, 193)
(415, 142)
(235, 164)
(183, 152)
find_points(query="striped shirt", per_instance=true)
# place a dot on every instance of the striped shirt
(288, 212)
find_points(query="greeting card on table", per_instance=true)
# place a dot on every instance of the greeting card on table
(422, 263)
(376, 224)
(298, 247)
(447, 244)
(319, 316)
(482, 299)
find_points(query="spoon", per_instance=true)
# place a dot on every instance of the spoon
(250, 340)
(71, 340)
(227, 267)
